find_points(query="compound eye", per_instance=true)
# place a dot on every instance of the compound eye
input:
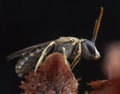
(91, 49)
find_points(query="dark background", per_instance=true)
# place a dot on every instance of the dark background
(27, 22)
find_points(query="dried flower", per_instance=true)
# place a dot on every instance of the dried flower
(97, 84)
(52, 77)
(106, 87)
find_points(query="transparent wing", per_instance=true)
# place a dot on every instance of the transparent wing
(27, 50)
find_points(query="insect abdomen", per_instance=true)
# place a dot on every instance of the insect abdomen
(27, 63)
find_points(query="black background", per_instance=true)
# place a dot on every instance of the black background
(27, 22)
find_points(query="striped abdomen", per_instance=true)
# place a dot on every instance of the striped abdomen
(27, 62)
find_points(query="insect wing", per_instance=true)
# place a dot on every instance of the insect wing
(27, 50)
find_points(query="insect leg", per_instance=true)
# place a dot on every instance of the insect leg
(74, 63)
(64, 54)
(44, 53)
(77, 58)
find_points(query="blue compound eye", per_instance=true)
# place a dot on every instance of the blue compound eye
(91, 48)
(88, 49)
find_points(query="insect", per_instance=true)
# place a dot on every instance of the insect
(72, 47)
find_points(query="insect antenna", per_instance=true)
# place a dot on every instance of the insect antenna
(97, 25)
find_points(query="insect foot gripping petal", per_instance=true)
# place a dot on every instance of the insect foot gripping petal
(78, 56)
(65, 56)
(52, 77)
(44, 53)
